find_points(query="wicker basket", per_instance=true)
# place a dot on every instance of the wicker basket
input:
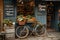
(22, 22)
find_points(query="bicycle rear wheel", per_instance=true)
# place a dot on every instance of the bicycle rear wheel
(39, 30)
(22, 32)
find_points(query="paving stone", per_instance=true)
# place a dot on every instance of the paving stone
(21, 39)
(10, 38)
(51, 36)
(32, 38)
(55, 38)
(40, 38)
(59, 39)
(47, 39)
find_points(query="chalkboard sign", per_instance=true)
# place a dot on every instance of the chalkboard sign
(9, 8)
(42, 9)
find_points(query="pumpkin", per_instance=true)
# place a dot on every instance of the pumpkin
(30, 18)
(33, 19)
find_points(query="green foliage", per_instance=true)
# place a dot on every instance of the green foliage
(6, 21)
(20, 17)
(28, 16)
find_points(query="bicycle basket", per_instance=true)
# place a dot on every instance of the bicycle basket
(22, 22)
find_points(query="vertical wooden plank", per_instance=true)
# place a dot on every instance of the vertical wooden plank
(1, 12)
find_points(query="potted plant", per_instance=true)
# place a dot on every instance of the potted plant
(59, 26)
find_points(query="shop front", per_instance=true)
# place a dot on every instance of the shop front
(25, 13)
(22, 12)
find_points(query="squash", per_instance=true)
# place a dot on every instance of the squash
(30, 18)
(33, 19)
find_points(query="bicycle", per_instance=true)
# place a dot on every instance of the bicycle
(26, 25)
(24, 30)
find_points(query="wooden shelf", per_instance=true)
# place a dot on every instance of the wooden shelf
(20, 10)
(20, 5)
(26, 8)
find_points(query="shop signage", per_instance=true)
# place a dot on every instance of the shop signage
(9, 9)
(42, 9)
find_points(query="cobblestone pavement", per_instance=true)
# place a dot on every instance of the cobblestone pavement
(48, 36)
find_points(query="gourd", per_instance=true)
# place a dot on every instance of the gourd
(31, 19)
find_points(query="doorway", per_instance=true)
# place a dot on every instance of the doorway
(52, 15)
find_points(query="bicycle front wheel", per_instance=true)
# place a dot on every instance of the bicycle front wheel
(22, 32)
